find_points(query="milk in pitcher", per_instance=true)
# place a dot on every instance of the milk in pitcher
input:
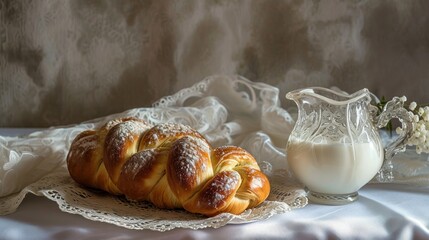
(334, 168)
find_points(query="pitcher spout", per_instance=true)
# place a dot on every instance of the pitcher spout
(328, 95)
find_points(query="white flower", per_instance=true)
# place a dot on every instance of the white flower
(419, 136)
(399, 130)
(412, 106)
(416, 134)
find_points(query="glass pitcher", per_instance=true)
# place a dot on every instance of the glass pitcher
(335, 147)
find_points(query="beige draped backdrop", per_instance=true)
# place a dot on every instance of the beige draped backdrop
(68, 61)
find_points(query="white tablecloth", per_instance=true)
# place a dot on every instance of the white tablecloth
(383, 211)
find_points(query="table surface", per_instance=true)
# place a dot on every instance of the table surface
(383, 211)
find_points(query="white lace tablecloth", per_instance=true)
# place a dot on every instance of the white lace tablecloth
(225, 109)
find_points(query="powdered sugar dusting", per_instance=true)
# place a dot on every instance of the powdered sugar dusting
(83, 145)
(172, 128)
(138, 161)
(221, 187)
(163, 131)
(126, 132)
(189, 153)
(88, 142)
(112, 123)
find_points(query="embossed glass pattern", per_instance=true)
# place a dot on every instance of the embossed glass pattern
(335, 147)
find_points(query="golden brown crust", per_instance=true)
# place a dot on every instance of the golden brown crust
(121, 143)
(79, 159)
(189, 166)
(170, 165)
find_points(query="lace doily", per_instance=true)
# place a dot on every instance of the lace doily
(99, 206)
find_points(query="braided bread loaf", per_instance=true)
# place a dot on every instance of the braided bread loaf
(170, 165)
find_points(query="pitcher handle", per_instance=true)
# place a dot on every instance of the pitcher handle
(394, 109)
